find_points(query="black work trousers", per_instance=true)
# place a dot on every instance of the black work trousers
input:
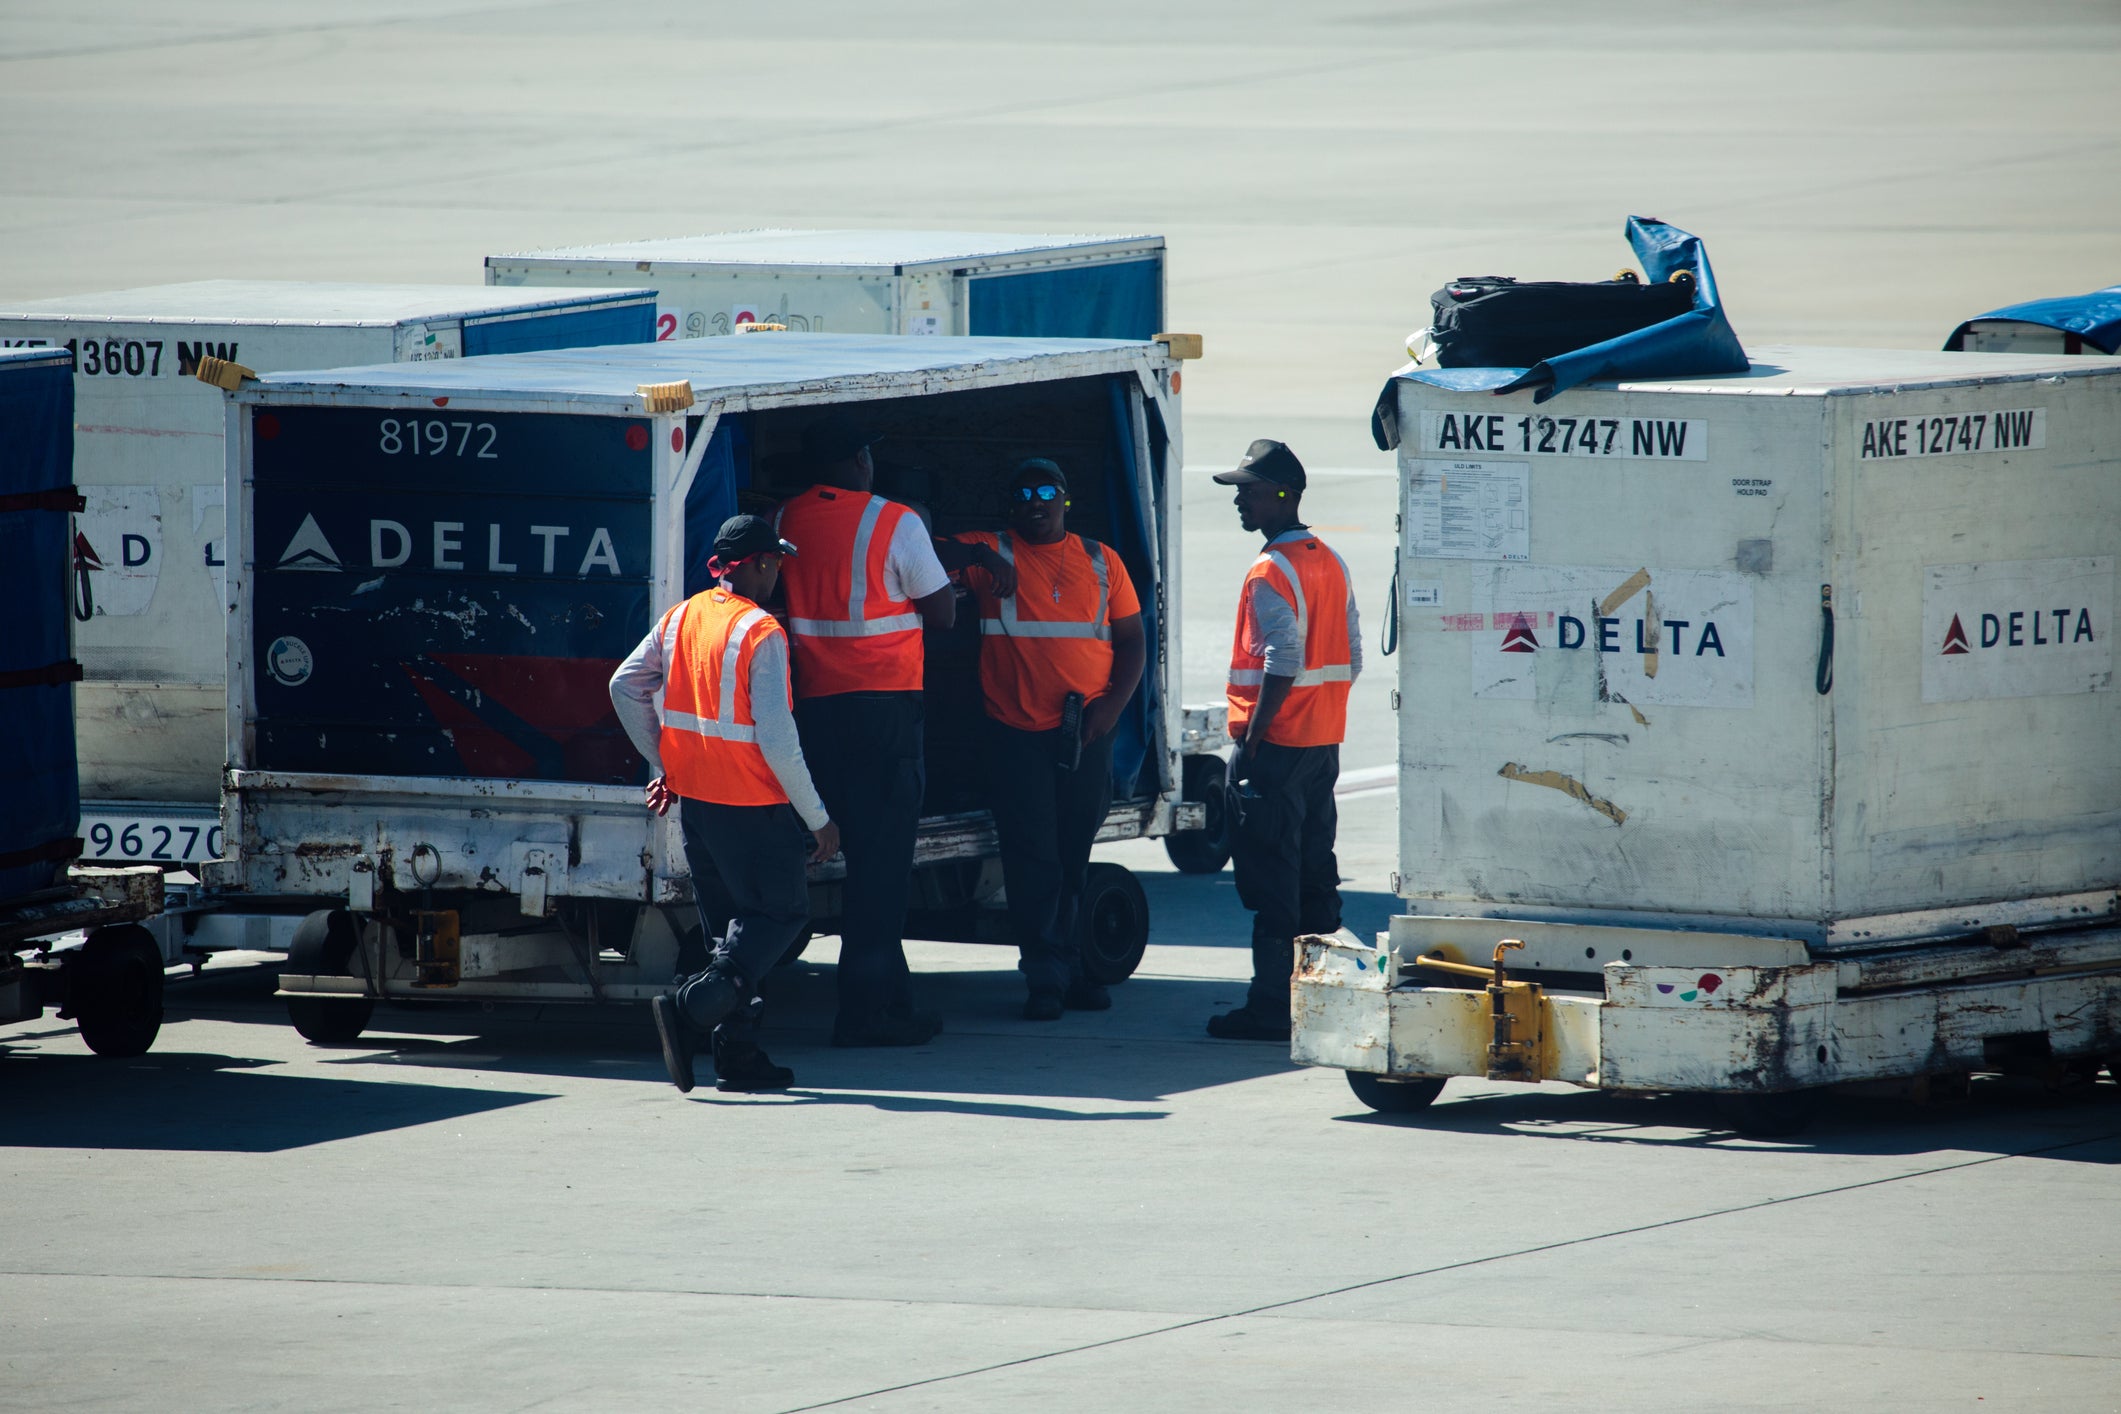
(759, 852)
(1047, 819)
(1282, 847)
(866, 756)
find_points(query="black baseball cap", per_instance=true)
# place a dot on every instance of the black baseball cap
(1043, 468)
(1269, 461)
(741, 537)
(835, 437)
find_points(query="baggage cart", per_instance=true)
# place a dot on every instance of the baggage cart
(1758, 734)
(442, 565)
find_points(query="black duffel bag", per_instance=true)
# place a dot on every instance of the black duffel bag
(1495, 321)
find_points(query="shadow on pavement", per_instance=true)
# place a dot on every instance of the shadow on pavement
(922, 1104)
(176, 1101)
(2002, 1116)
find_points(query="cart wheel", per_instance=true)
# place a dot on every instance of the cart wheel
(1112, 923)
(117, 990)
(324, 947)
(1206, 850)
(1769, 1116)
(1389, 1096)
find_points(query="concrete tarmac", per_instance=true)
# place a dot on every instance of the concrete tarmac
(511, 1209)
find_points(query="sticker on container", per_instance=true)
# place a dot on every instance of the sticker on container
(924, 324)
(669, 323)
(2017, 628)
(1667, 439)
(1635, 637)
(118, 550)
(1953, 434)
(1422, 594)
(289, 661)
(1462, 510)
(424, 343)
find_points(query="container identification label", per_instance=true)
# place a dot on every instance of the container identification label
(1469, 510)
(2017, 628)
(1953, 434)
(1596, 438)
(1647, 636)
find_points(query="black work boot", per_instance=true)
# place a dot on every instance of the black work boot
(1244, 1024)
(741, 1067)
(676, 1036)
(1044, 1004)
(1086, 995)
(709, 998)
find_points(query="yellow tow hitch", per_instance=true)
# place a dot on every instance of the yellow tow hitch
(1516, 1008)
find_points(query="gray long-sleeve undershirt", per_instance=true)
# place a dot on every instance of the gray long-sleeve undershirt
(638, 685)
(1278, 641)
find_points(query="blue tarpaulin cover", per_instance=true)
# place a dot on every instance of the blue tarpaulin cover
(1697, 342)
(1117, 300)
(2094, 318)
(40, 803)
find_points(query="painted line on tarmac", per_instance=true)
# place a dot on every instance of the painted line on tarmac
(1533, 1251)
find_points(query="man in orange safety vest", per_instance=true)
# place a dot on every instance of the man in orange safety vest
(705, 699)
(1296, 653)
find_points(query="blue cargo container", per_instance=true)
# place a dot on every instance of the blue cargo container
(40, 805)
(443, 563)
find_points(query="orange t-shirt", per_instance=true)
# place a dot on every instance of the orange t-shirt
(1049, 639)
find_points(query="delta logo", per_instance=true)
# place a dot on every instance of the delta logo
(2021, 628)
(1682, 638)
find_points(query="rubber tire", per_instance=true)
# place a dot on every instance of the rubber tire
(1203, 851)
(1770, 1115)
(117, 990)
(1111, 924)
(324, 947)
(1388, 1096)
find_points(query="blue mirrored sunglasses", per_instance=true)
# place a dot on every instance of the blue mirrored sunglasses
(1028, 494)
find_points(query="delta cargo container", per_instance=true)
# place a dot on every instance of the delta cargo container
(1773, 715)
(443, 563)
(875, 282)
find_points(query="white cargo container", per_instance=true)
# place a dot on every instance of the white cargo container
(1774, 714)
(423, 754)
(875, 282)
(151, 572)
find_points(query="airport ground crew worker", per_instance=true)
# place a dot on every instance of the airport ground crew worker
(706, 700)
(1072, 626)
(1296, 653)
(858, 597)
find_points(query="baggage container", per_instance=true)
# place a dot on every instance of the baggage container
(40, 807)
(443, 564)
(875, 282)
(1773, 714)
(2071, 324)
(149, 563)
(111, 980)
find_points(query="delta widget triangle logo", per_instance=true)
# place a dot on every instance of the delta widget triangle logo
(309, 550)
(1954, 639)
(1520, 638)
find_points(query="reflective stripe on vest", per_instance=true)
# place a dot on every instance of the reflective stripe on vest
(1315, 710)
(854, 625)
(723, 725)
(714, 757)
(1010, 626)
(847, 631)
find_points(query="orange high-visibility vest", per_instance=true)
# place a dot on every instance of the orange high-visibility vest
(709, 742)
(1315, 580)
(1054, 635)
(847, 633)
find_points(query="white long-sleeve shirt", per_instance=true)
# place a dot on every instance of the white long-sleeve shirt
(637, 688)
(1277, 639)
